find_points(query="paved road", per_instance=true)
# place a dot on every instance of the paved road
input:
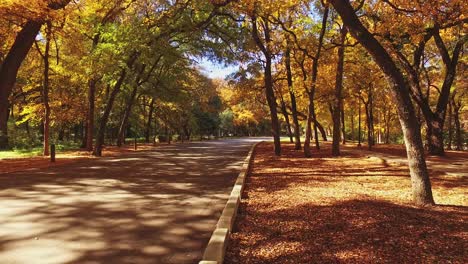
(147, 207)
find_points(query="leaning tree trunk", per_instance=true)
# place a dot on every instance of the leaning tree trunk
(9, 70)
(110, 102)
(338, 100)
(105, 116)
(12, 62)
(421, 184)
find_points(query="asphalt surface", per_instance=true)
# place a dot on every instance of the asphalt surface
(147, 207)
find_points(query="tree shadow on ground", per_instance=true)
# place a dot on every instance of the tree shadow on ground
(350, 209)
(354, 231)
(147, 207)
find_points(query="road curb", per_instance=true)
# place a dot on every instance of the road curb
(216, 248)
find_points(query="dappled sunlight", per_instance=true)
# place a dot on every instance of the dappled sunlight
(139, 209)
(352, 209)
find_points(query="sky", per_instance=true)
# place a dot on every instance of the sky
(215, 70)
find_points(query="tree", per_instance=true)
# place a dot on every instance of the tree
(421, 185)
(16, 55)
(265, 46)
(338, 100)
(421, 41)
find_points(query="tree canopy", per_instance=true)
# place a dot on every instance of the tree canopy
(96, 72)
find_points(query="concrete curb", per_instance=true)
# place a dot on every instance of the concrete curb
(216, 248)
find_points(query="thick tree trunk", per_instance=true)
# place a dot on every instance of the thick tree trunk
(297, 132)
(435, 136)
(338, 100)
(421, 185)
(11, 64)
(9, 70)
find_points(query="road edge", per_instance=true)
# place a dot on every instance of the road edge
(216, 248)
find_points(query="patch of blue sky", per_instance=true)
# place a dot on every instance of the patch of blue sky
(215, 70)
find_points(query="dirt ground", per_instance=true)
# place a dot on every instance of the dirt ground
(40, 162)
(352, 209)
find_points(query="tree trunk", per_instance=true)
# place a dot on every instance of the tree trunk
(338, 101)
(458, 132)
(343, 129)
(286, 119)
(9, 70)
(90, 114)
(351, 119)
(123, 124)
(110, 102)
(308, 132)
(359, 125)
(269, 92)
(388, 119)
(435, 120)
(435, 136)
(311, 93)
(450, 126)
(297, 132)
(149, 122)
(45, 91)
(369, 123)
(11, 64)
(421, 185)
(105, 116)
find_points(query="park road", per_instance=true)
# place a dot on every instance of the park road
(157, 206)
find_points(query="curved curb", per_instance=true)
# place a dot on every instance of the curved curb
(216, 248)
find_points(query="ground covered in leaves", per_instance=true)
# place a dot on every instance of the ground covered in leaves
(352, 209)
(9, 165)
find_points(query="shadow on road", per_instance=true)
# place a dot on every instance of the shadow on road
(148, 207)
